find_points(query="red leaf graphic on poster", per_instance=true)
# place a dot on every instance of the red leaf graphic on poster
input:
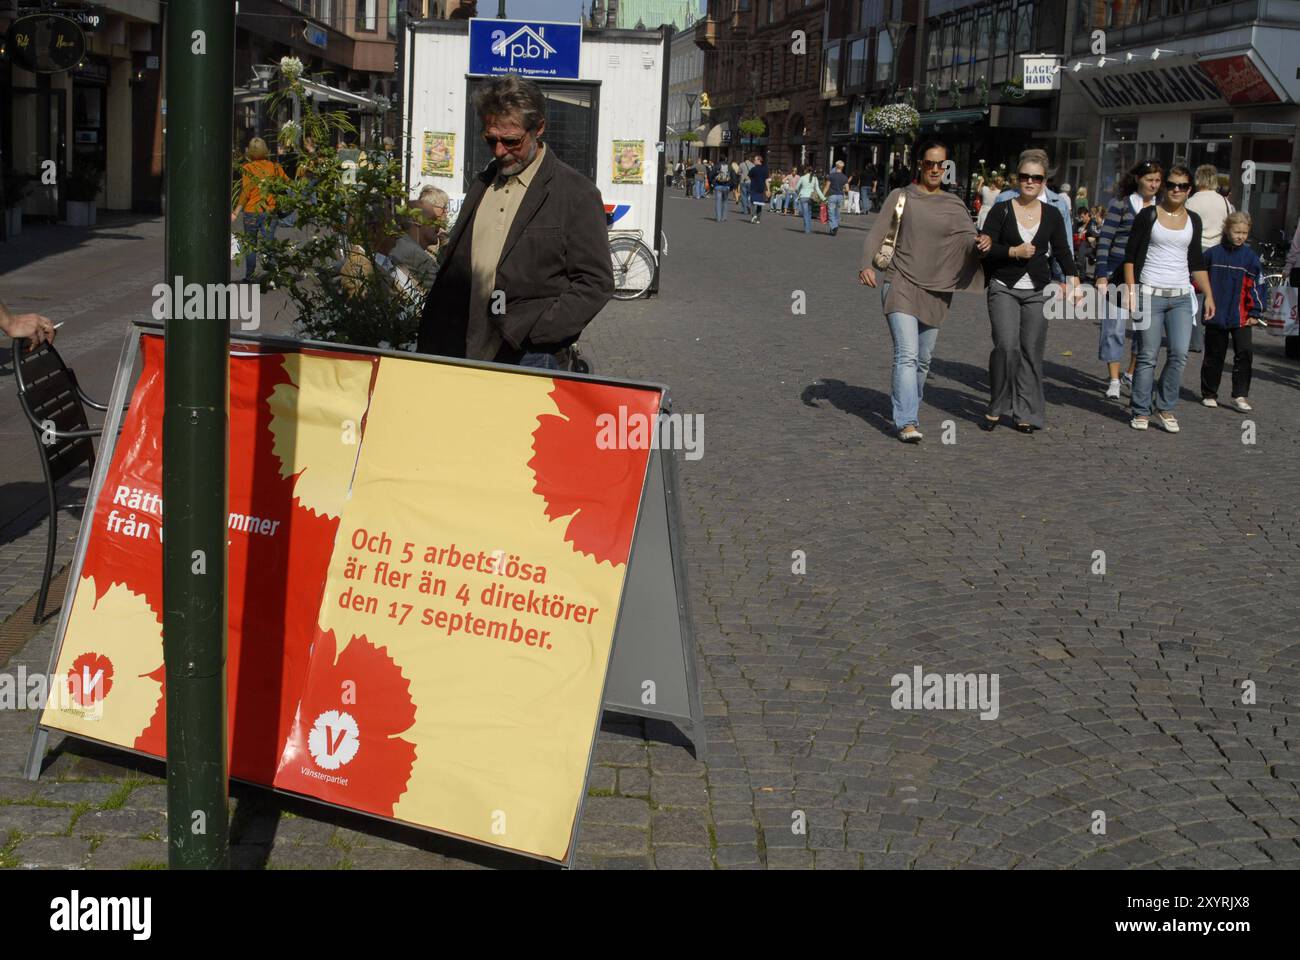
(153, 738)
(584, 476)
(90, 678)
(345, 746)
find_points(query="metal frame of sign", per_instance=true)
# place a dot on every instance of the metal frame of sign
(122, 384)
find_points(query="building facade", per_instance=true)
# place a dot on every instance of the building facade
(685, 84)
(1192, 83)
(763, 60)
(348, 50)
(652, 14)
(105, 113)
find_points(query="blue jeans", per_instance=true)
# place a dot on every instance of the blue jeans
(544, 361)
(805, 207)
(699, 189)
(257, 224)
(1171, 317)
(913, 345)
(833, 210)
(864, 199)
(720, 193)
(744, 197)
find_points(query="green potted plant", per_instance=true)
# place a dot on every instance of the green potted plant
(14, 188)
(82, 185)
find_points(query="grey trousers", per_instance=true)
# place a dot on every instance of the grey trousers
(1016, 361)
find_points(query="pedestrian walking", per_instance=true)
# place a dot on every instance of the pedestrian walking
(256, 201)
(508, 290)
(1213, 209)
(926, 248)
(837, 188)
(741, 173)
(808, 189)
(1135, 192)
(701, 178)
(1164, 254)
(758, 189)
(721, 191)
(1237, 279)
(1023, 234)
(988, 197)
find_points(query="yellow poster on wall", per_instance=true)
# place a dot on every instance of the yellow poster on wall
(438, 157)
(629, 161)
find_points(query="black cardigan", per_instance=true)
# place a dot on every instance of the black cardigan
(1002, 229)
(1139, 240)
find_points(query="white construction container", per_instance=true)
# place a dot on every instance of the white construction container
(602, 123)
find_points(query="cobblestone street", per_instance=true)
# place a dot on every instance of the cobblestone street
(1158, 700)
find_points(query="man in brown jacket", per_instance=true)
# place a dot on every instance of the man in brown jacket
(527, 265)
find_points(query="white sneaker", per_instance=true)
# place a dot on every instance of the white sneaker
(1239, 403)
(1138, 423)
(1209, 402)
(1167, 423)
(1112, 390)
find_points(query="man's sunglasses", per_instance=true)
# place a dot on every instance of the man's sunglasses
(932, 164)
(1180, 185)
(1032, 177)
(508, 142)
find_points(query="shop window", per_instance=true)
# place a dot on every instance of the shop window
(571, 110)
(1024, 34)
(858, 62)
(831, 69)
(1001, 43)
(1117, 128)
(945, 55)
(965, 51)
(885, 57)
(983, 41)
(367, 19)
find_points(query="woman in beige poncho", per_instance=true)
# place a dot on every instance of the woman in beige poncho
(938, 252)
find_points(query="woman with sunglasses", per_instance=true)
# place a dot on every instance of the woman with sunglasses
(1022, 233)
(1164, 255)
(936, 254)
(1135, 192)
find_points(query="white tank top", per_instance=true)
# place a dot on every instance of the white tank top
(1166, 262)
(1026, 236)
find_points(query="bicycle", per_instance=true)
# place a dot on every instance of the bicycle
(634, 264)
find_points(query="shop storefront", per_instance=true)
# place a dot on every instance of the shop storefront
(1202, 104)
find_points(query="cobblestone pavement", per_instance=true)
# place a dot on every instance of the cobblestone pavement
(1162, 694)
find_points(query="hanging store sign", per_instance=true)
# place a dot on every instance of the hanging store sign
(1163, 87)
(1240, 81)
(541, 49)
(46, 43)
(1042, 73)
(316, 36)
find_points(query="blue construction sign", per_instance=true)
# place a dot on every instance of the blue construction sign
(536, 48)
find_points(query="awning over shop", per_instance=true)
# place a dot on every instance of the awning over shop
(952, 117)
(324, 92)
(714, 138)
(319, 92)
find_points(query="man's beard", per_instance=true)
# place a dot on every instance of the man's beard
(521, 165)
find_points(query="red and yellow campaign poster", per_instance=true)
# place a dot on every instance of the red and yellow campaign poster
(426, 564)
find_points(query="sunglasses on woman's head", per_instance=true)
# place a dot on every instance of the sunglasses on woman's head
(1032, 178)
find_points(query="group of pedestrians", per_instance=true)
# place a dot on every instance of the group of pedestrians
(925, 247)
(798, 192)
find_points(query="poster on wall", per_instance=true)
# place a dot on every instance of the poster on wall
(420, 623)
(439, 154)
(629, 161)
